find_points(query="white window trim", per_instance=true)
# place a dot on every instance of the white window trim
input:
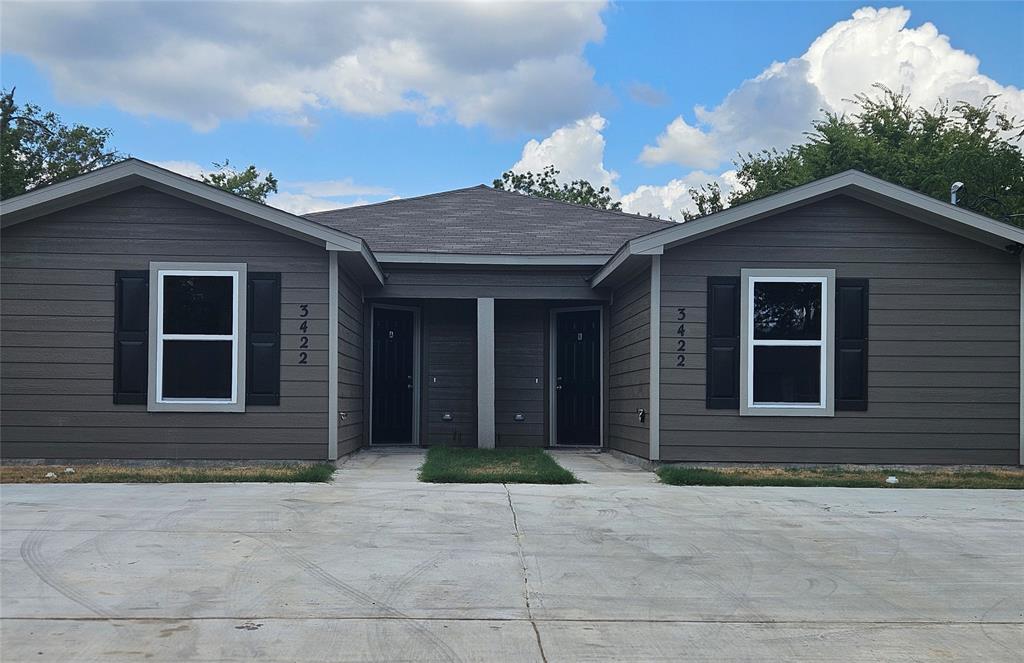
(239, 275)
(824, 407)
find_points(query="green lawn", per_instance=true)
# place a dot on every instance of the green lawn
(842, 477)
(458, 465)
(305, 472)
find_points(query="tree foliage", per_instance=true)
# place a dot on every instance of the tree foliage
(545, 185)
(245, 183)
(37, 148)
(922, 149)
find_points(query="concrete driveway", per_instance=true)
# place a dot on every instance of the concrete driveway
(379, 567)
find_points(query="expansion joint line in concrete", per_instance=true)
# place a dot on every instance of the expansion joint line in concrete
(526, 574)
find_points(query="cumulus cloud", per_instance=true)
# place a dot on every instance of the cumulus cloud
(577, 150)
(491, 64)
(299, 197)
(668, 201)
(776, 107)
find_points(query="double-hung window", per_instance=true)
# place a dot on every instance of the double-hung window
(787, 355)
(197, 347)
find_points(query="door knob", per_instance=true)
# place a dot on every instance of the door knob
(558, 388)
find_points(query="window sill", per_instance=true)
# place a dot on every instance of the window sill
(755, 411)
(195, 406)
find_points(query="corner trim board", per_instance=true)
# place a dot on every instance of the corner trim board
(655, 377)
(332, 356)
(485, 420)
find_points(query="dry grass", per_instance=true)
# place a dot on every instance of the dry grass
(306, 472)
(1010, 478)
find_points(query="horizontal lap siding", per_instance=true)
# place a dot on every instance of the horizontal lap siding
(629, 366)
(449, 372)
(520, 373)
(501, 283)
(350, 364)
(943, 343)
(56, 365)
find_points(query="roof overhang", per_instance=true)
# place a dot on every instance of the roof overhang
(850, 183)
(489, 259)
(132, 173)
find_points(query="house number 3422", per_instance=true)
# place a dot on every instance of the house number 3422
(681, 340)
(304, 329)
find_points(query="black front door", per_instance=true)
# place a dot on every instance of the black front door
(391, 406)
(578, 377)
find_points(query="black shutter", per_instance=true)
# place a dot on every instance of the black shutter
(263, 339)
(851, 344)
(131, 336)
(723, 343)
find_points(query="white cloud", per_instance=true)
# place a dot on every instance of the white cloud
(298, 197)
(680, 139)
(669, 200)
(338, 188)
(186, 168)
(493, 64)
(577, 150)
(776, 107)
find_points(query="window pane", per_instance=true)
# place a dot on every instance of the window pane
(198, 304)
(197, 369)
(787, 374)
(787, 310)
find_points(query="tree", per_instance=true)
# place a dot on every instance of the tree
(37, 148)
(921, 149)
(244, 183)
(545, 185)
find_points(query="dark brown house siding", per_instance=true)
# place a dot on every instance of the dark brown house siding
(351, 376)
(629, 362)
(944, 334)
(449, 372)
(58, 305)
(520, 373)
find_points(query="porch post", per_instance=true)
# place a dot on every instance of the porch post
(485, 372)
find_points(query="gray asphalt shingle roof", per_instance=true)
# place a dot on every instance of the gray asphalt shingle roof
(482, 220)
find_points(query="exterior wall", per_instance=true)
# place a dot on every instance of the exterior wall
(351, 374)
(629, 366)
(521, 373)
(943, 369)
(448, 372)
(501, 283)
(56, 363)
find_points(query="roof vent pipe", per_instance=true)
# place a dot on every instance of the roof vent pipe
(956, 191)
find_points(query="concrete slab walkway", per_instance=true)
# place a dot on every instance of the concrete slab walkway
(380, 567)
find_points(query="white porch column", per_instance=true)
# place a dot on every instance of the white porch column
(485, 372)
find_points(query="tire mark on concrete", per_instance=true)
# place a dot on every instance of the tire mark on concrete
(359, 596)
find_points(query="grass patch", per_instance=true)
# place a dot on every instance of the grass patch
(841, 477)
(305, 472)
(526, 465)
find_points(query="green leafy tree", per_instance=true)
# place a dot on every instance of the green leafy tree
(37, 148)
(545, 185)
(922, 149)
(245, 183)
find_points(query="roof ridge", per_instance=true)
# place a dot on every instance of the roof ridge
(398, 200)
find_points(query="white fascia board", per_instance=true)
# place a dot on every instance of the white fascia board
(490, 259)
(611, 265)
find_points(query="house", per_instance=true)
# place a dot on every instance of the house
(147, 315)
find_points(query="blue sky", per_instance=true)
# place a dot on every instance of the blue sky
(351, 103)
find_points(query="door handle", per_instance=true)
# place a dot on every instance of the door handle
(558, 388)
